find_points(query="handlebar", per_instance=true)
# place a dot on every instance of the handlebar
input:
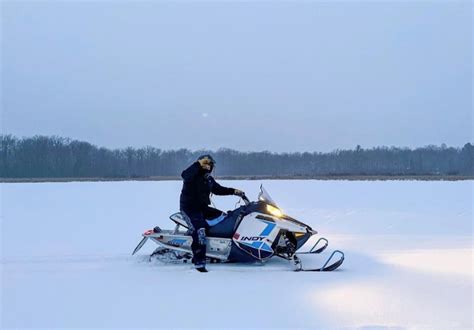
(245, 199)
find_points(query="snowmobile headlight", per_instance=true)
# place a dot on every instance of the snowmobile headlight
(274, 210)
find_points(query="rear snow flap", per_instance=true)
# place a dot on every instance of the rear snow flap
(140, 245)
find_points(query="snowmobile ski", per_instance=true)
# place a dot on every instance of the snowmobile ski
(327, 267)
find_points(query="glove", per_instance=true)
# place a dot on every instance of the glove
(205, 163)
(238, 192)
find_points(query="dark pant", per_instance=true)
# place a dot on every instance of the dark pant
(197, 227)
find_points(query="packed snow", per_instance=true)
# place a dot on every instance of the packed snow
(65, 259)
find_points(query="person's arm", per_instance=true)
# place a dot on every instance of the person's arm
(217, 189)
(191, 172)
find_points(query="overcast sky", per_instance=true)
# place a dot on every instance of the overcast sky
(279, 76)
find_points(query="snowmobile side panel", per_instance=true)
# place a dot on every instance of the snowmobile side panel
(218, 248)
(237, 254)
(260, 245)
(225, 228)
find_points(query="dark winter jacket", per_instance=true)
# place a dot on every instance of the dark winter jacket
(197, 186)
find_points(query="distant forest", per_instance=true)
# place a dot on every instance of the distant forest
(57, 157)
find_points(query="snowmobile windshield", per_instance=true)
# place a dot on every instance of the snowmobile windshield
(264, 196)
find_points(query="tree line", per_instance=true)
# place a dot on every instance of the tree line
(58, 157)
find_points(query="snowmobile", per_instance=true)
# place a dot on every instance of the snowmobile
(254, 232)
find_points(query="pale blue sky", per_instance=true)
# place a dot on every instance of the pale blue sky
(280, 76)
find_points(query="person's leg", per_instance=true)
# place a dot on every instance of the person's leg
(197, 226)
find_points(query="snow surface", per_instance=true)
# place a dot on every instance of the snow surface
(66, 259)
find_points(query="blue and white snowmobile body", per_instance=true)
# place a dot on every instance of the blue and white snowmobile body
(256, 231)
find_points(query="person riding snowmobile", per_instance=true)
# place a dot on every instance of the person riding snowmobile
(198, 184)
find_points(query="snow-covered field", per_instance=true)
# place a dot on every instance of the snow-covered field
(65, 259)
